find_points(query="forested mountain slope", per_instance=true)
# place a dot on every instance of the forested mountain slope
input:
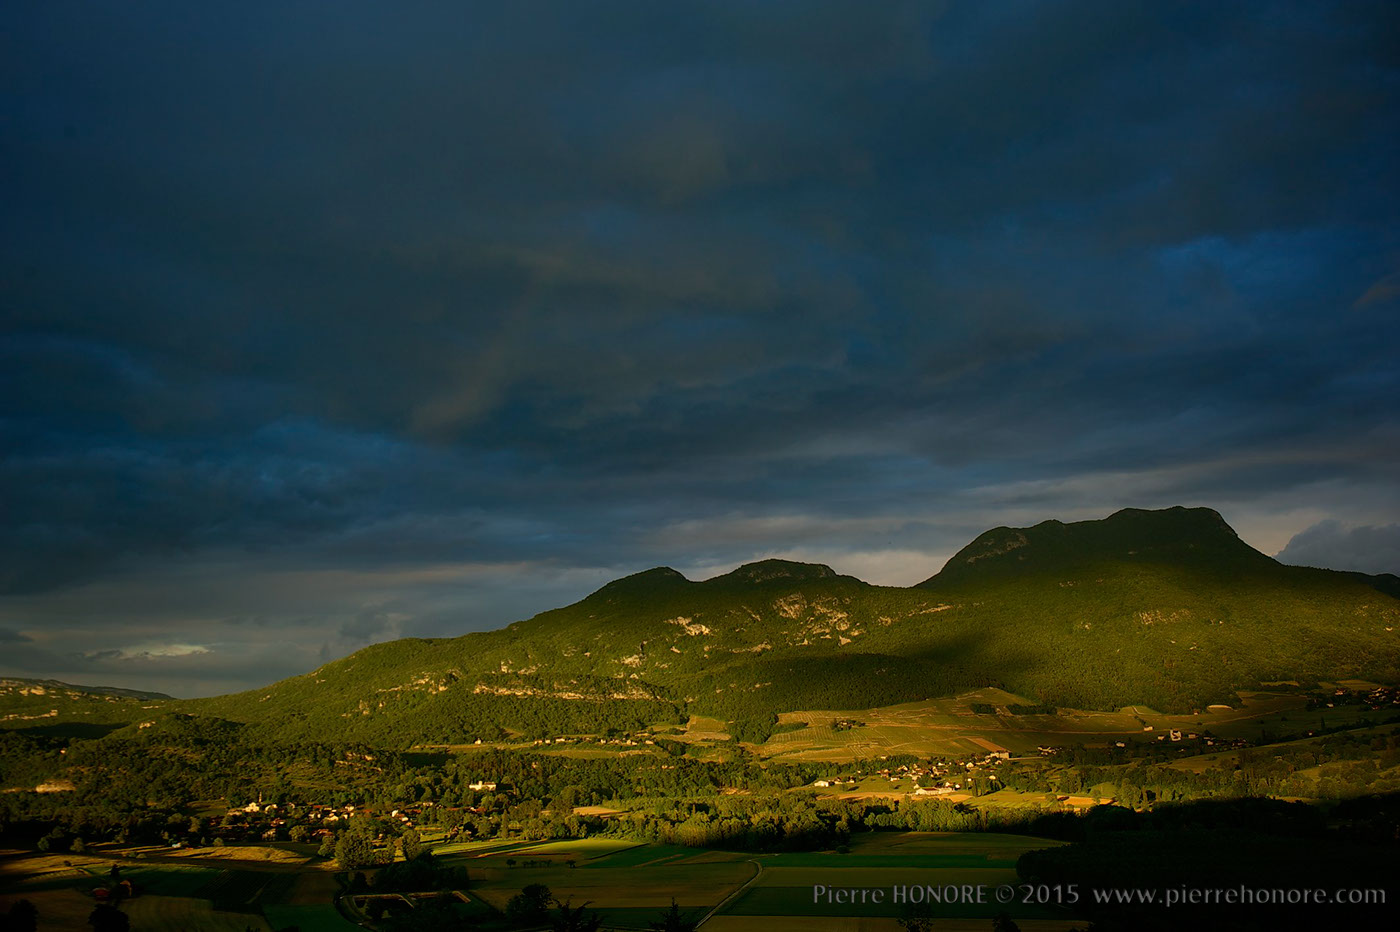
(1164, 608)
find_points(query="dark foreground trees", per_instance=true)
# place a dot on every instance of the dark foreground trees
(23, 917)
(530, 905)
(109, 919)
(569, 918)
(673, 921)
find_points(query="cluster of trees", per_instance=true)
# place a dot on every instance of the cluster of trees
(22, 917)
(27, 760)
(772, 821)
(421, 873)
(355, 852)
(42, 821)
(592, 781)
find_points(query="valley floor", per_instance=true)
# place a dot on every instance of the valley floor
(629, 884)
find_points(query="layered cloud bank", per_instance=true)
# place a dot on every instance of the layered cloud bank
(1369, 549)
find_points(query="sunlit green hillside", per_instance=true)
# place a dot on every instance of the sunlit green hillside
(1162, 608)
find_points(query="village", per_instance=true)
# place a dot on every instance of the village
(935, 778)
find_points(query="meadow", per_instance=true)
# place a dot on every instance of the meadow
(630, 884)
(952, 728)
(231, 889)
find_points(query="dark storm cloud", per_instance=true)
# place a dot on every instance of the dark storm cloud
(1328, 544)
(579, 288)
(365, 627)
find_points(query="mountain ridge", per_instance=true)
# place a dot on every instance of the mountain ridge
(20, 683)
(755, 572)
(1163, 608)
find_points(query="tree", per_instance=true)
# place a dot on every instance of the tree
(673, 921)
(530, 905)
(570, 919)
(354, 852)
(108, 919)
(1003, 923)
(413, 846)
(23, 917)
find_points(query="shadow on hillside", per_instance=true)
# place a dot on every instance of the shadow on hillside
(80, 730)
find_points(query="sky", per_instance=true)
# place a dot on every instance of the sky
(325, 324)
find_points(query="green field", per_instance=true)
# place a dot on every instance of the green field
(170, 897)
(242, 890)
(632, 887)
(631, 884)
(644, 855)
(308, 918)
(181, 914)
(171, 880)
(584, 849)
(476, 849)
(1199, 763)
(950, 728)
(883, 861)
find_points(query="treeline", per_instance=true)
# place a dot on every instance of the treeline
(591, 781)
(770, 821)
(131, 784)
(796, 821)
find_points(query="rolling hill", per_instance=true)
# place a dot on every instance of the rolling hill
(30, 703)
(1163, 608)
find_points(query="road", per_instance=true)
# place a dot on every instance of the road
(758, 872)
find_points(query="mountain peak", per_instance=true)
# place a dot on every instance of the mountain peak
(1168, 534)
(764, 570)
(654, 578)
(1201, 519)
